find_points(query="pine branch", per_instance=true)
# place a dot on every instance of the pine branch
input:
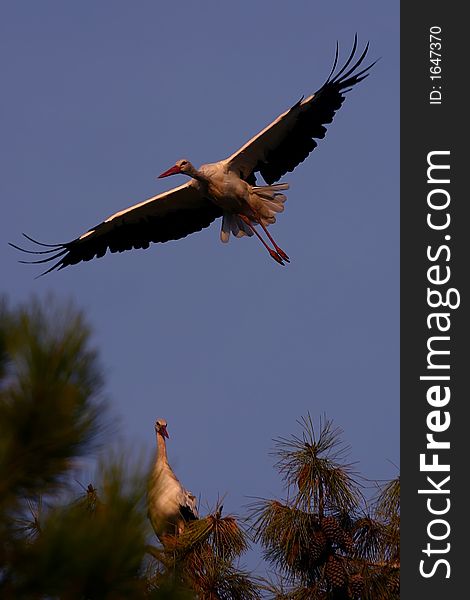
(316, 466)
(50, 400)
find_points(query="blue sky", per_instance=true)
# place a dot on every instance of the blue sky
(97, 99)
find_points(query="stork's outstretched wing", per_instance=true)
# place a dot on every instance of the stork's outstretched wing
(288, 140)
(168, 216)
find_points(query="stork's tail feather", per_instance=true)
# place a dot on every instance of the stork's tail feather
(233, 224)
(265, 200)
(269, 201)
(275, 187)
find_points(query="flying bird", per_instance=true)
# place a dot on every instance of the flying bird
(170, 506)
(226, 189)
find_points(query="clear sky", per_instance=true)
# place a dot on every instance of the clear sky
(97, 99)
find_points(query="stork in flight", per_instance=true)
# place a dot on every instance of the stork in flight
(224, 189)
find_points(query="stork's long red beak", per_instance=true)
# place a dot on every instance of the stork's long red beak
(173, 171)
(164, 432)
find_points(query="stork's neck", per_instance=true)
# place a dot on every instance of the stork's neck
(162, 458)
(197, 174)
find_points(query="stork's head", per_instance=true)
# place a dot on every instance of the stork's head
(160, 427)
(181, 166)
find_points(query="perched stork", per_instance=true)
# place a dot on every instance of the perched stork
(170, 506)
(224, 189)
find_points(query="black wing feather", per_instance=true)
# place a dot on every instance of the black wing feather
(134, 229)
(187, 513)
(311, 121)
(308, 119)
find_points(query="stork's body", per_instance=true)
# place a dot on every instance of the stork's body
(226, 188)
(241, 203)
(223, 187)
(219, 183)
(169, 504)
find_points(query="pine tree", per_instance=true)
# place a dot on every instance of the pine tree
(52, 414)
(321, 539)
(54, 544)
(204, 559)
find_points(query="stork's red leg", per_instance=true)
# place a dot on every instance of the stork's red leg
(279, 251)
(272, 252)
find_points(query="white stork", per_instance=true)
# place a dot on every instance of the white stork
(170, 506)
(224, 189)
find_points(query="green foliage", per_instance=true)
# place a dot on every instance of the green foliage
(221, 534)
(314, 464)
(203, 559)
(51, 412)
(55, 545)
(387, 510)
(82, 554)
(50, 397)
(321, 540)
(292, 538)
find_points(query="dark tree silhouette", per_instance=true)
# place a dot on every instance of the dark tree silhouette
(203, 558)
(323, 540)
(55, 545)
(51, 415)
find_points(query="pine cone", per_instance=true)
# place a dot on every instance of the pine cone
(335, 573)
(332, 529)
(356, 586)
(346, 542)
(317, 545)
(319, 539)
